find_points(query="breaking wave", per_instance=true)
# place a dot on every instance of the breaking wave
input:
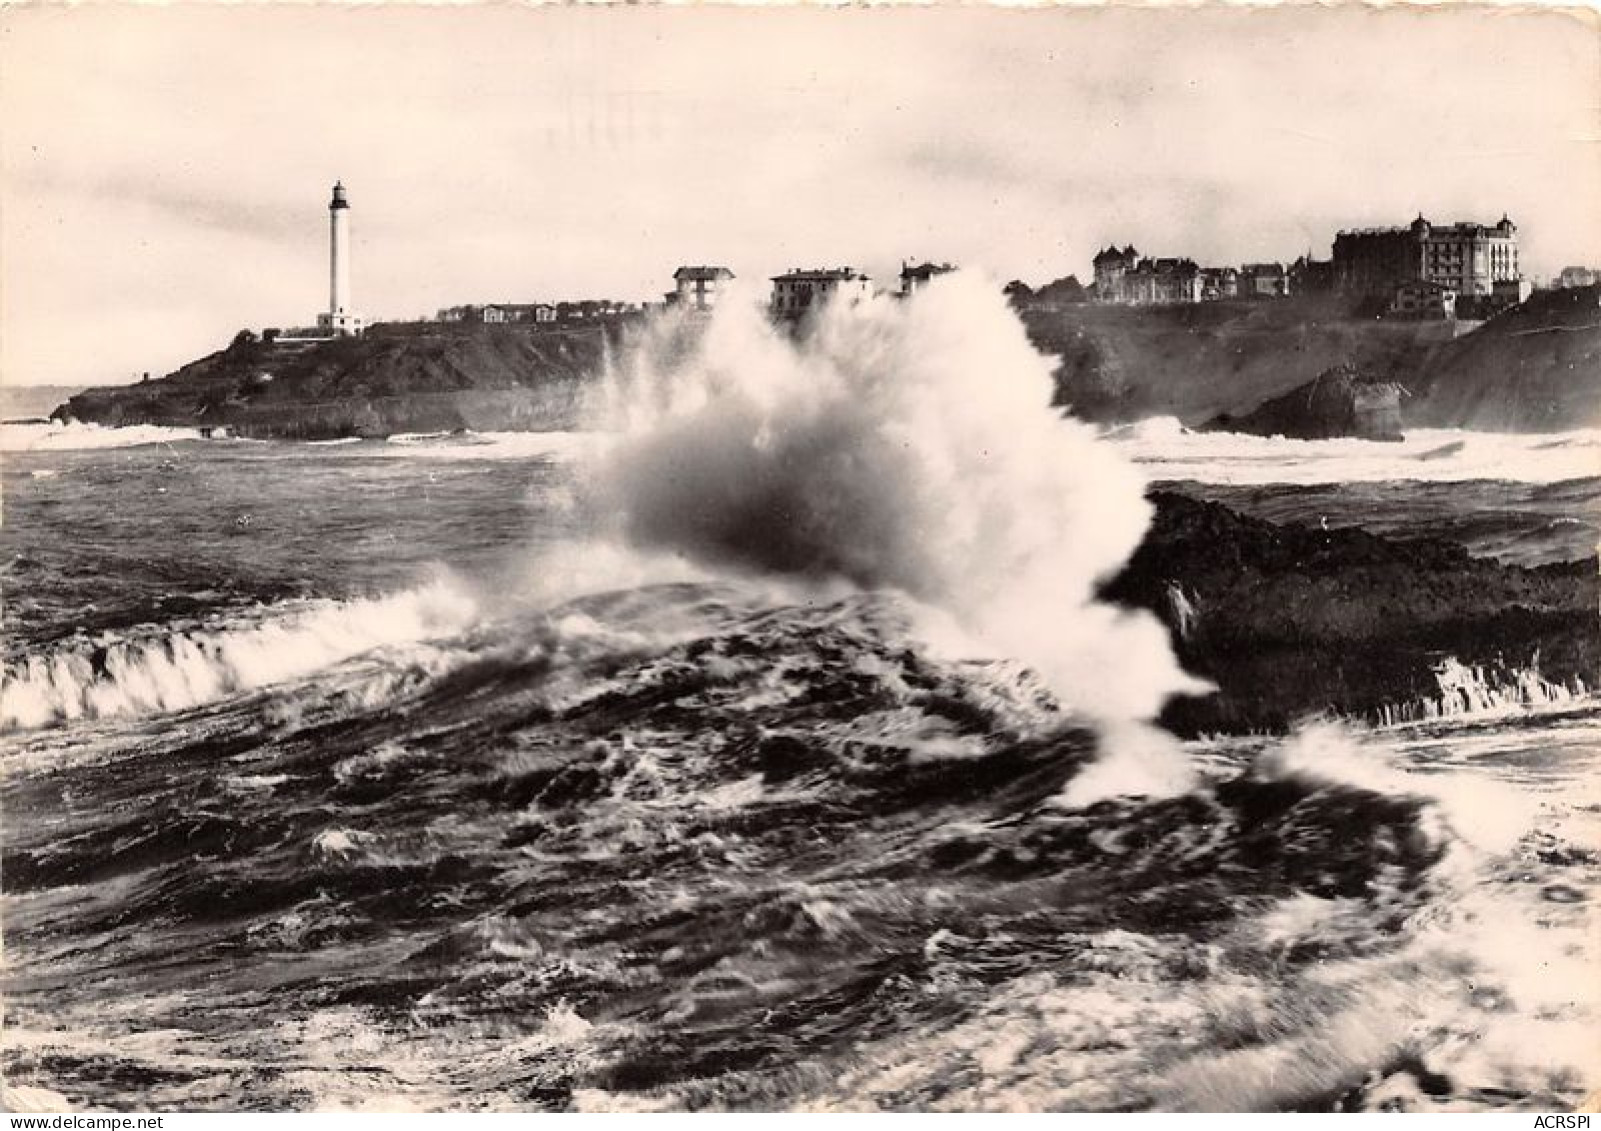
(793, 861)
(482, 445)
(56, 436)
(166, 669)
(1472, 691)
(899, 444)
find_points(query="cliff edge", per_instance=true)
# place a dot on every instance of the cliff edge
(1536, 367)
(1203, 360)
(398, 377)
(1533, 368)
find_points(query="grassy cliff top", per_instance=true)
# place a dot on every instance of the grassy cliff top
(1537, 366)
(389, 366)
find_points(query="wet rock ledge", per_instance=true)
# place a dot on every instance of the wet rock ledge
(1291, 621)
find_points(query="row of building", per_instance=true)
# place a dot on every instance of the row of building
(1123, 275)
(698, 288)
(1421, 267)
(695, 288)
(799, 289)
(1421, 270)
(539, 313)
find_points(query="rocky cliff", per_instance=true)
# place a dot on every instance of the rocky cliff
(397, 378)
(1200, 361)
(1536, 367)
(1290, 620)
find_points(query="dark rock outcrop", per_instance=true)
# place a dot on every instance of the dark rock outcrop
(397, 378)
(1341, 401)
(1290, 621)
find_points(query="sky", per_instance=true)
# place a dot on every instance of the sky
(165, 170)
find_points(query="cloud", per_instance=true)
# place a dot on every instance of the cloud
(510, 152)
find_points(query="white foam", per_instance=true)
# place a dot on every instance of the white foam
(127, 676)
(1473, 692)
(483, 445)
(1165, 449)
(27, 1098)
(56, 436)
(897, 445)
(1488, 815)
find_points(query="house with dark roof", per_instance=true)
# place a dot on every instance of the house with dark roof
(917, 275)
(1263, 280)
(1469, 258)
(1419, 298)
(698, 287)
(1219, 283)
(1111, 265)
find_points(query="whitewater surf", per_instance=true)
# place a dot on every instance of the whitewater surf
(772, 747)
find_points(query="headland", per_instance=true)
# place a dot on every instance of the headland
(1535, 366)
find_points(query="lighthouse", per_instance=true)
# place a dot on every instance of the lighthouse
(341, 319)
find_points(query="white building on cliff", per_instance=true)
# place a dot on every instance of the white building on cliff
(340, 320)
(800, 290)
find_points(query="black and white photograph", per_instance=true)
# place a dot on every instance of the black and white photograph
(810, 558)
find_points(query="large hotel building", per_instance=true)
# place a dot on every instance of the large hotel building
(1469, 259)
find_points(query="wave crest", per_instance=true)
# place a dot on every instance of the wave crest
(123, 675)
(904, 444)
(31, 436)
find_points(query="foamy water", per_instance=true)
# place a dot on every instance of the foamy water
(56, 436)
(681, 846)
(893, 444)
(743, 765)
(161, 670)
(485, 445)
(1166, 450)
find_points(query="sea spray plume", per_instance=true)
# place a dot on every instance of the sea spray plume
(905, 444)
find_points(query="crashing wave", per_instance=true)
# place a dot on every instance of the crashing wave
(121, 675)
(56, 436)
(1467, 691)
(896, 445)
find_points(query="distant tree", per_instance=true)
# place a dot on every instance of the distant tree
(1066, 290)
(1018, 293)
(242, 341)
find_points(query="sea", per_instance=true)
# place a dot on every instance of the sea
(760, 746)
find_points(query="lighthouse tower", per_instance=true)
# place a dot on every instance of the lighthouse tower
(341, 319)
